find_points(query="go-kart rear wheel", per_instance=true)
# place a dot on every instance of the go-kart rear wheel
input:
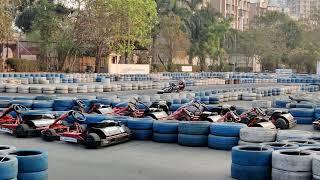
(281, 124)
(22, 131)
(245, 120)
(92, 141)
(49, 135)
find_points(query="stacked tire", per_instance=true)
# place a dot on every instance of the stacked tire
(43, 105)
(293, 134)
(141, 128)
(165, 131)
(63, 104)
(303, 115)
(8, 167)
(316, 167)
(193, 133)
(293, 164)
(32, 164)
(224, 136)
(256, 135)
(251, 162)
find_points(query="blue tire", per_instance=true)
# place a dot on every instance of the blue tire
(192, 140)
(304, 120)
(63, 103)
(42, 104)
(165, 138)
(62, 108)
(8, 167)
(301, 112)
(140, 123)
(42, 175)
(141, 134)
(226, 129)
(5, 103)
(43, 109)
(252, 155)
(165, 127)
(175, 107)
(122, 119)
(305, 105)
(242, 172)
(31, 160)
(194, 127)
(222, 143)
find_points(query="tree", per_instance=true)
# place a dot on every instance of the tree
(5, 24)
(115, 25)
(170, 30)
(207, 32)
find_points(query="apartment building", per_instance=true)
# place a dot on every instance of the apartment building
(300, 9)
(238, 10)
(257, 8)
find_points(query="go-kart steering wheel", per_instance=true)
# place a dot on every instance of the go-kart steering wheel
(78, 116)
(19, 108)
(81, 103)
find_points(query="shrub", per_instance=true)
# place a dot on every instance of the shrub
(23, 65)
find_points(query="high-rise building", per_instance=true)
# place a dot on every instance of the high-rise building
(257, 8)
(238, 10)
(300, 9)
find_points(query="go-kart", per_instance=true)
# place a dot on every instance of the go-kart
(134, 108)
(281, 119)
(27, 122)
(73, 127)
(173, 88)
(194, 111)
(246, 118)
(256, 117)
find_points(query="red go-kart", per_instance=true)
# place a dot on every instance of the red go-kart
(73, 127)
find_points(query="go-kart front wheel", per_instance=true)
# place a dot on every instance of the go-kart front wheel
(281, 124)
(92, 141)
(49, 135)
(22, 131)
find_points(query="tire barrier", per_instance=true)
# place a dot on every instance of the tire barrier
(291, 164)
(293, 134)
(251, 162)
(316, 167)
(8, 167)
(165, 131)
(32, 164)
(257, 135)
(224, 136)
(303, 115)
(193, 133)
(141, 128)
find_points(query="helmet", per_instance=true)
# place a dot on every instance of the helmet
(181, 82)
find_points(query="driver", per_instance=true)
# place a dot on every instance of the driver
(181, 85)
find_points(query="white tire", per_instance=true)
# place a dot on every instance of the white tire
(278, 174)
(293, 134)
(257, 134)
(292, 160)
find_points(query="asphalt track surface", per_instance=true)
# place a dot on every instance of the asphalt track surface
(134, 160)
